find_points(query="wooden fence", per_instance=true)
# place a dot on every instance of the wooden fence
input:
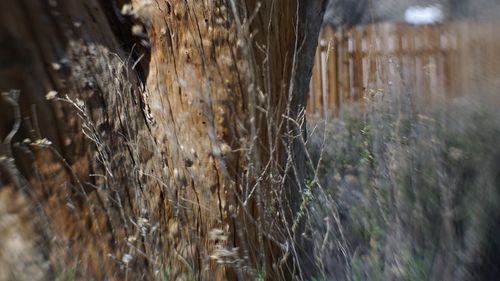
(431, 62)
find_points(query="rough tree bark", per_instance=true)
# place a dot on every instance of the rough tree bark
(196, 172)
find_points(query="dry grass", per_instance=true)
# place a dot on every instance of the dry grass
(128, 197)
(416, 190)
(393, 193)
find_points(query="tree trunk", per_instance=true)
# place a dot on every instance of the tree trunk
(196, 172)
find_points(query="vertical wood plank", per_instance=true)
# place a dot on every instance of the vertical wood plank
(358, 66)
(316, 95)
(344, 68)
(331, 64)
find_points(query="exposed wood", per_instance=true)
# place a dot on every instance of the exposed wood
(144, 181)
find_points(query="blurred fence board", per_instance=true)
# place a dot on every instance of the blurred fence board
(431, 63)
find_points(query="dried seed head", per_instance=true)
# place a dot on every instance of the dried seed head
(127, 258)
(217, 235)
(225, 149)
(51, 95)
(127, 10)
(56, 66)
(137, 30)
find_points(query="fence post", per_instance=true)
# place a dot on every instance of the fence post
(332, 74)
(358, 66)
(344, 68)
(315, 95)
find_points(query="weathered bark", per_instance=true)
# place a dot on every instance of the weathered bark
(83, 191)
(193, 176)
